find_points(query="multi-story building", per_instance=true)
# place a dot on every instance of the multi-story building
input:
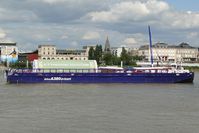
(8, 52)
(134, 51)
(46, 51)
(72, 54)
(87, 48)
(164, 52)
(118, 50)
(49, 52)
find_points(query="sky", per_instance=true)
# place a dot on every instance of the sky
(71, 24)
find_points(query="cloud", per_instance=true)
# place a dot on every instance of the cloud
(91, 35)
(53, 1)
(17, 16)
(74, 44)
(192, 35)
(130, 41)
(129, 10)
(64, 36)
(181, 20)
(72, 23)
(153, 12)
(2, 34)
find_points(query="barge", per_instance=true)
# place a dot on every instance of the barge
(101, 75)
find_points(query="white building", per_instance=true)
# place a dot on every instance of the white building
(118, 50)
(49, 52)
(8, 52)
(164, 52)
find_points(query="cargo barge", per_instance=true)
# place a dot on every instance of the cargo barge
(134, 75)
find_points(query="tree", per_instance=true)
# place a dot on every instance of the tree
(108, 59)
(98, 54)
(126, 58)
(116, 60)
(91, 54)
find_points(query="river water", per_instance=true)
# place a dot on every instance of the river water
(99, 108)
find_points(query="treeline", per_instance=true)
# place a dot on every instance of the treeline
(107, 58)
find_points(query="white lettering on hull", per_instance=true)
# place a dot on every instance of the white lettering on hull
(56, 78)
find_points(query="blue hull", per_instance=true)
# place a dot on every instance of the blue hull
(101, 78)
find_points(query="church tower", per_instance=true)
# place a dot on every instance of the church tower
(107, 46)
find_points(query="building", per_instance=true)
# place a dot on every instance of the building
(87, 48)
(8, 52)
(118, 50)
(46, 51)
(134, 51)
(28, 56)
(170, 53)
(49, 52)
(72, 54)
(107, 47)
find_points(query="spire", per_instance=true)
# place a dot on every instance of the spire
(107, 45)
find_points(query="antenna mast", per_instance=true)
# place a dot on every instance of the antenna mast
(150, 46)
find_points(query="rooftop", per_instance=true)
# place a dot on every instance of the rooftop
(46, 45)
(164, 45)
(2, 43)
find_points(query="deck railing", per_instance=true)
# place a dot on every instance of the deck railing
(93, 71)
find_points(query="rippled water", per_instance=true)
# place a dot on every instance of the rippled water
(99, 108)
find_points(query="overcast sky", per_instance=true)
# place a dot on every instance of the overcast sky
(75, 23)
